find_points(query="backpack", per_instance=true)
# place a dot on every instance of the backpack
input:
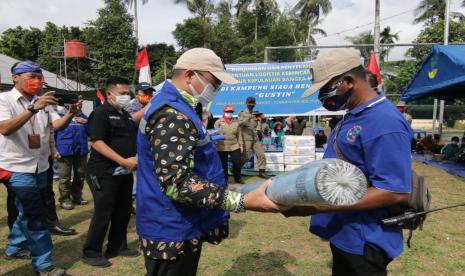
(419, 200)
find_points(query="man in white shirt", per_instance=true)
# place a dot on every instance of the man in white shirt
(25, 122)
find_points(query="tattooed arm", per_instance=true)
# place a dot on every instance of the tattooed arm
(173, 137)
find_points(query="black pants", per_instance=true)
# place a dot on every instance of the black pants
(372, 263)
(48, 196)
(112, 203)
(236, 160)
(11, 209)
(185, 264)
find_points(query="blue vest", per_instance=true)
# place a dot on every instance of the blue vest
(158, 218)
(72, 140)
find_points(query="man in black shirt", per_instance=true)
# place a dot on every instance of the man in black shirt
(109, 174)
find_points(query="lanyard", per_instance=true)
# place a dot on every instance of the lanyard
(31, 121)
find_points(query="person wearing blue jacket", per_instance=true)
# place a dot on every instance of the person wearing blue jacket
(182, 196)
(71, 154)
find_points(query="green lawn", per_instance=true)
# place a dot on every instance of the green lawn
(269, 244)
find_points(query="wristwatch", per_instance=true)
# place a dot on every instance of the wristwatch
(32, 109)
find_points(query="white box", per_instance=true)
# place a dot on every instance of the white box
(271, 158)
(274, 157)
(274, 167)
(292, 167)
(299, 150)
(298, 160)
(304, 141)
(319, 155)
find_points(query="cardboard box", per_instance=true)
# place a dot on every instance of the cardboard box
(304, 141)
(274, 157)
(275, 167)
(299, 150)
(298, 160)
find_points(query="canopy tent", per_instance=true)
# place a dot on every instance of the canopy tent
(277, 88)
(441, 75)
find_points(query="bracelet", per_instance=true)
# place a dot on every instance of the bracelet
(240, 206)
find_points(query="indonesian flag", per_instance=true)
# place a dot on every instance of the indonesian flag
(142, 64)
(100, 96)
(374, 68)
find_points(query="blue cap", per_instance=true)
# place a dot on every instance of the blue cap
(144, 86)
(26, 66)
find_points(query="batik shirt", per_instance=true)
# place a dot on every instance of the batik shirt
(173, 137)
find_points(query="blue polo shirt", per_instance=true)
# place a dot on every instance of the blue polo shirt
(376, 138)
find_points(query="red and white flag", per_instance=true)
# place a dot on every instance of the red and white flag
(100, 96)
(374, 68)
(142, 64)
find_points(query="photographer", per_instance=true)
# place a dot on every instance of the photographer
(25, 125)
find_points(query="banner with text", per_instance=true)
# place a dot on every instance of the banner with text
(277, 88)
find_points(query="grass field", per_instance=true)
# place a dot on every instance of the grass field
(269, 244)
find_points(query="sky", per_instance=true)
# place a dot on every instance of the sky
(158, 18)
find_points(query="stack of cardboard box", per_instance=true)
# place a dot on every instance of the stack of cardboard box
(298, 150)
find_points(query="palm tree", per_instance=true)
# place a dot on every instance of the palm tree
(201, 8)
(271, 5)
(432, 11)
(367, 38)
(310, 11)
(133, 3)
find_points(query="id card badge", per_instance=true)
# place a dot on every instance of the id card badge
(34, 141)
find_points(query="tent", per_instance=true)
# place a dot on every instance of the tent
(441, 75)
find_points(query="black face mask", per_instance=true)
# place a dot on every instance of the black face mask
(250, 106)
(333, 102)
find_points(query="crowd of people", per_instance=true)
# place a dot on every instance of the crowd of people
(182, 196)
(453, 151)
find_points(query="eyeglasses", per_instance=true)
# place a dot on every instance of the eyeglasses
(216, 85)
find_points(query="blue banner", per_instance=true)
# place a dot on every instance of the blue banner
(277, 87)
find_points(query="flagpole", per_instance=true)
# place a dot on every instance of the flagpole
(377, 32)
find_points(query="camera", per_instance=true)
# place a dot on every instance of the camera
(66, 98)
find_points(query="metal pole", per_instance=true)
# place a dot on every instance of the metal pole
(64, 59)
(136, 23)
(377, 32)
(446, 25)
(435, 111)
(266, 55)
(446, 42)
(441, 116)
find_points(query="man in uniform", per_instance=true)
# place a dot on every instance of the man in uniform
(231, 145)
(248, 122)
(112, 133)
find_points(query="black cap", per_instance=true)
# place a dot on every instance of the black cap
(250, 100)
(144, 86)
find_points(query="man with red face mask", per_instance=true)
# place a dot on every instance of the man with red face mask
(144, 93)
(25, 121)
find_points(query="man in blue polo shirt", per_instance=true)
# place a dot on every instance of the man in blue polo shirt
(375, 137)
